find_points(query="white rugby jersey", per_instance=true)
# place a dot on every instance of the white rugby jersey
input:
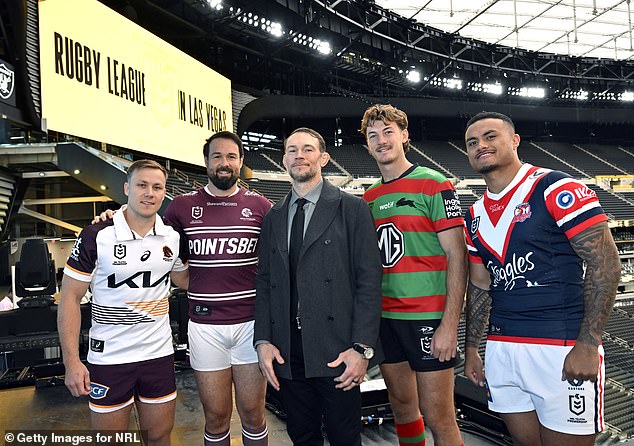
(129, 280)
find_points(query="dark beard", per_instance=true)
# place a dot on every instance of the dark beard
(488, 169)
(223, 183)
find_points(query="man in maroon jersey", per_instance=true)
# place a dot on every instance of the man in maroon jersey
(221, 226)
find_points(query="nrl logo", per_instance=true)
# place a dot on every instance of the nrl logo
(119, 251)
(577, 403)
(475, 224)
(197, 212)
(7, 83)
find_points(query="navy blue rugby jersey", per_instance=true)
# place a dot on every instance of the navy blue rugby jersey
(521, 236)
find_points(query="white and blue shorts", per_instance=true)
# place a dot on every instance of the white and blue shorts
(526, 377)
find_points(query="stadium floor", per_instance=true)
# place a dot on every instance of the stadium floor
(53, 408)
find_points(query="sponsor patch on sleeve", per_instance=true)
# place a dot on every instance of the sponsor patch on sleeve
(452, 203)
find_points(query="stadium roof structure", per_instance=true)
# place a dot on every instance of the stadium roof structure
(581, 28)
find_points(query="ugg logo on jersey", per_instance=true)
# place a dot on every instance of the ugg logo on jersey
(577, 403)
(565, 199)
(145, 256)
(391, 244)
(74, 251)
(197, 212)
(475, 224)
(119, 251)
(452, 203)
(522, 212)
(98, 391)
(512, 271)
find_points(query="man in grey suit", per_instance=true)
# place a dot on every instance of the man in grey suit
(318, 302)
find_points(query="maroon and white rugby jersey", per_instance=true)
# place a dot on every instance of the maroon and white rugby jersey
(222, 236)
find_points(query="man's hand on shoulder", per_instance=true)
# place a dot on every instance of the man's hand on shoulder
(267, 353)
(108, 214)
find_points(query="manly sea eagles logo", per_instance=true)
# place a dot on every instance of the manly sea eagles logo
(119, 251)
(577, 403)
(7, 78)
(197, 212)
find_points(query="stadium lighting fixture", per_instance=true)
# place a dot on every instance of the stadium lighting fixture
(323, 47)
(450, 83)
(478, 87)
(275, 28)
(578, 95)
(495, 88)
(215, 4)
(627, 96)
(527, 92)
(256, 137)
(413, 76)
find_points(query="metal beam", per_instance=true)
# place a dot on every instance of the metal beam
(485, 9)
(25, 211)
(584, 23)
(38, 201)
(530, 20)
(45, 174)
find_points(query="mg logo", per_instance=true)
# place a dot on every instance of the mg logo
(391, 244)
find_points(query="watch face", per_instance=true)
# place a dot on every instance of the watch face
(368, 353)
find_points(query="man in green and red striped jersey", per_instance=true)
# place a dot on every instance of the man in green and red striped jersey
(420, 229)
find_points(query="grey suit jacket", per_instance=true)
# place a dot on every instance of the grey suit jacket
(338, 278)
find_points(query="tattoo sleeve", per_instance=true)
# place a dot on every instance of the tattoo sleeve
(603, 271)
(478, 307)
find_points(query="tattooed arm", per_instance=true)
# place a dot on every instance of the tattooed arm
(603, 271)
(478, 307)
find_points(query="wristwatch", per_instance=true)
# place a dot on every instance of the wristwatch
(365, 351)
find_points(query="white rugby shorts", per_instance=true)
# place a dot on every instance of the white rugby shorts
(218, 347)
(523, 377)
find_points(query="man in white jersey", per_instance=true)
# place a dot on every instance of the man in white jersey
(127, 262)
(220, 224)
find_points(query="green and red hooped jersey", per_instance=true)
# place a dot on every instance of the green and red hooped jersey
(408, 213)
